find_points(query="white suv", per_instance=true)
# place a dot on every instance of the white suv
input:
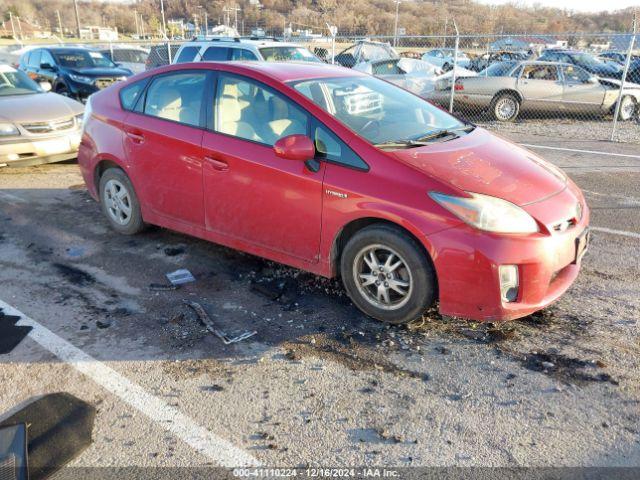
(222, 49)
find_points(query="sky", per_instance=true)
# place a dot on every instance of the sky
(577, 5)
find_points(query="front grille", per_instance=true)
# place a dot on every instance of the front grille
(51, 126)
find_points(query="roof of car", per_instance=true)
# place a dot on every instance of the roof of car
(236, 41)
(283, 71)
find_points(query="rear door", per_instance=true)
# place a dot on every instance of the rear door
(541, 87)
(580, 95)
(250, 193)
(163, 143)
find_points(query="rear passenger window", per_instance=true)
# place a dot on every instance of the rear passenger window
(216, 54)
(177, 97)
(129, 95)
(187, 54)
(242, 54)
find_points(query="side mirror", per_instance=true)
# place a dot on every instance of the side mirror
(295, 147)
(46, 66)
(46, 86)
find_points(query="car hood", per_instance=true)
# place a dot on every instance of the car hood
(100, 72)
(484, 163)
(37, 107)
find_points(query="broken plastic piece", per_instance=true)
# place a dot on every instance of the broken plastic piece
(206, 320)
(180, 277)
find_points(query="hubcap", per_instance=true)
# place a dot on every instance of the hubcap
(506, 108)
(627, 108)
(382, 277)
(117, 201)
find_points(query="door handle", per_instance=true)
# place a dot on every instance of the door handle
(135, 137)
(217, 164)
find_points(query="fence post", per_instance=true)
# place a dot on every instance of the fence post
(455, 66)
(625, 71)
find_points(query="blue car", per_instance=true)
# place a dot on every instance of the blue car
(590, 63)
(72, 71)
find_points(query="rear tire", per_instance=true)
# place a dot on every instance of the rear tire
(119, 202)
(387, 274)
(505, 107)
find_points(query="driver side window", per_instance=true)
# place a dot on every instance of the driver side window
(575, 75)
(245, 109)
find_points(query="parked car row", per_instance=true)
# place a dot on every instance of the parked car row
(508, 89)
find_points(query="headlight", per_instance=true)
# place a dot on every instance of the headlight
(80, 78)
(7, 129)
(488, 213)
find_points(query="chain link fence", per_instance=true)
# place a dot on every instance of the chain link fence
(566, 86)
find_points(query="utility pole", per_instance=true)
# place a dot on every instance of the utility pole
(13, 28)
(75, 7)
(135, 16)
(395, 30)
(164, 25)
(60, 24)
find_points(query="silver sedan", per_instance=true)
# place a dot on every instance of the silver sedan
(35, 126)
(510, 88)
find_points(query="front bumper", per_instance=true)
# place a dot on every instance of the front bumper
(467, 262)
(25, 151)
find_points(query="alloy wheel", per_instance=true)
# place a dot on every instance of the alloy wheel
(117, 201)
(382, 277)
(506, 108)
(627, 108)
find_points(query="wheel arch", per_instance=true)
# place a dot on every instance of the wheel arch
(510, 91)
(354, 226)
(102, 165)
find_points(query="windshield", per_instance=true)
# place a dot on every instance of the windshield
(13, 82)
(288, 54)
(82, 59)
(376, 110)
(586, 59)
(499, 69)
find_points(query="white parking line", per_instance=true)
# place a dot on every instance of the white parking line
(616, 232)
(595, 152)
(216, 449)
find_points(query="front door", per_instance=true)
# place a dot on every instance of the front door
(541, 87)
(250, 193)
(580, 94)
(163, 144)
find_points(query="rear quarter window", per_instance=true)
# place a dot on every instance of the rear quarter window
(130, 94)
(187, 54)
(216, 54)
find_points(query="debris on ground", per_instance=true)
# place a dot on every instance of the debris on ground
(212, 388)
(208, 322)
(74, 274)
(174, 251)
(284, 290)
(566, 369)
(161, 287)
(102, 325)
(180, 277)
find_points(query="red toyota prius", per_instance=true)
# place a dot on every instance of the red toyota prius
(342, 174)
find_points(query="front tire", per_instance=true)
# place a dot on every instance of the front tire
(628, 108)
(119, 202)
(505, 107)
(387, 274)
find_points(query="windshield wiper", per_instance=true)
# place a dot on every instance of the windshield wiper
(445, 133)
(400, 144)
